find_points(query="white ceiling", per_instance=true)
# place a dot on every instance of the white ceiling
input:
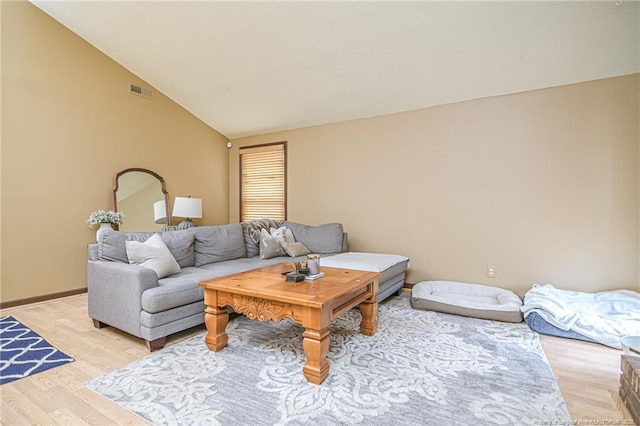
(248, 68)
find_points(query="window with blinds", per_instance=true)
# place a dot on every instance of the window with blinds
(263, 191)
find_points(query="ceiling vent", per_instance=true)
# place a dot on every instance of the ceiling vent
(140, 91)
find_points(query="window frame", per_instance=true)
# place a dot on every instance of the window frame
(258, 147)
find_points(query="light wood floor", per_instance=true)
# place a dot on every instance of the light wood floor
(587, 373)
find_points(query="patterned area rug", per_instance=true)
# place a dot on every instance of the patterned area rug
(23, 352)
(420, 367)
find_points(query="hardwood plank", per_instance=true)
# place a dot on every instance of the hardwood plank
(9, 415)
(587, 373)
(22, 405)
(102, 408)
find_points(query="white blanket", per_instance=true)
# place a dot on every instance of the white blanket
(373, 262)
(605, 317)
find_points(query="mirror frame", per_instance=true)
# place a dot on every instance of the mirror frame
(155, 175)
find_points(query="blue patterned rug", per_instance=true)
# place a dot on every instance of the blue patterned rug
(24, 353)
(420, 368)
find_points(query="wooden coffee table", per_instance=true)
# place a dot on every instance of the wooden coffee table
(263, 294)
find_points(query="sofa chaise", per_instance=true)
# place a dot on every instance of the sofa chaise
(125, 295)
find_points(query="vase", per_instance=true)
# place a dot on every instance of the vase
(103, 227)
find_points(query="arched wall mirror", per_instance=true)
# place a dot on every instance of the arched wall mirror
(143, 198)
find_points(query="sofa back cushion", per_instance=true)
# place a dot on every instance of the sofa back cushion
(112, 245)
(218, 243)
(321, 239)
(181, 245)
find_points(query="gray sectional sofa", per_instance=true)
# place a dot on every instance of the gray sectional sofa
(132, 298)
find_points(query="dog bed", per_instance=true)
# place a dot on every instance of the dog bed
(538, 324)
(604, 317)
(469, 300)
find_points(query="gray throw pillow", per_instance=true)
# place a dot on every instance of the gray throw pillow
(295, 249)
(321, 239)
(251, 230)
(270, 246)
(218, 243)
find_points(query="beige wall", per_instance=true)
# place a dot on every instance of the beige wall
(542, 185)
(68, 126)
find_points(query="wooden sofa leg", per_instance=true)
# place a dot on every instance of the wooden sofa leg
(154, 345)
(99, 324)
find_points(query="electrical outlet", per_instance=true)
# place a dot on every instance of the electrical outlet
(491, 271)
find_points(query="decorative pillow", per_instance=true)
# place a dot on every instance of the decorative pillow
(288, 235)
(288, 242)
(251, 230)
(270, 246)
(282, 234)
(278, 233)
(218, 243)
(295, 249)
(153, 254)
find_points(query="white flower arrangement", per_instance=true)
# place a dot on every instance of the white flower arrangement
(102, 216)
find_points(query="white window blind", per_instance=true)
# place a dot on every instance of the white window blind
(263, 182)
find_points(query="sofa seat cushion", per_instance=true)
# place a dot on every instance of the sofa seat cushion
(158, 319)
(390, 265)
(184, 288)
(176, 290)
(469, 300)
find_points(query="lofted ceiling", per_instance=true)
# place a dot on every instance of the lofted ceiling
(247, 68)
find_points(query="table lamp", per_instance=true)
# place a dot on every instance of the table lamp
(160, 213)
(188, 208)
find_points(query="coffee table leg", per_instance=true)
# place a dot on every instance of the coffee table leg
(316, 346)
(369, 312)
(216, 320)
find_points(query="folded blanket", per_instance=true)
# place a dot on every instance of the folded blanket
(373, 262)
(604, 317)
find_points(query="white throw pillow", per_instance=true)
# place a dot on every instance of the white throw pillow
(153, 254)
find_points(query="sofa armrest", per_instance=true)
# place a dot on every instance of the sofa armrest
(345, 242)
(92, 252)
(115, 293)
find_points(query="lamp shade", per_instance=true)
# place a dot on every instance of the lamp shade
(187, 207)
(160, 212)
